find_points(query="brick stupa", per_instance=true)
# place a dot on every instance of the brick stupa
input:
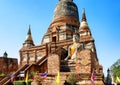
(50, 55)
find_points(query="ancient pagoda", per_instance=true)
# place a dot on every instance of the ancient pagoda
(67, 47)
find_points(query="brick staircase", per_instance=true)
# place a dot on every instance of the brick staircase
(67, 66)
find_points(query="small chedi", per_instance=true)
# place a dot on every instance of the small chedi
(67, 47)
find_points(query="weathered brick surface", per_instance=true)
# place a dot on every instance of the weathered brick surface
(53, 64)
(8, 65)
(83, 63)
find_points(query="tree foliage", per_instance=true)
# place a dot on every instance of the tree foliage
(115, 69)
(2, 75)
(73, 78)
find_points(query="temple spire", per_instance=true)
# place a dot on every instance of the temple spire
(84, 28)
(29, 40)
(83, 15)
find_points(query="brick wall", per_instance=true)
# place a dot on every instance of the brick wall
(8, 65)
(83, 64)
(53, 64)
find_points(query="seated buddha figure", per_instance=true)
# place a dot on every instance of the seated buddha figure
(74, 48)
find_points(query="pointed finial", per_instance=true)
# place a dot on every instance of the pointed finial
(83, 15)
(29, 31)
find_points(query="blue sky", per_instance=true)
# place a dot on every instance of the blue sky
(103, 17)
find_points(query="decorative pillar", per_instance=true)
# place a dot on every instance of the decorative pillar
(46, 49)
(58, 29)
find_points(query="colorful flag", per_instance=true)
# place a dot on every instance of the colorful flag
(118, 79)
(92, 78)
(12, 78)
(58, 78)
(44, 75)
(26, 79)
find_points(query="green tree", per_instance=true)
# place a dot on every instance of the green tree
(115, 69)
(72, 79)
(2, 75)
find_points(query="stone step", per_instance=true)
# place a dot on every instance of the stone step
(67, 66)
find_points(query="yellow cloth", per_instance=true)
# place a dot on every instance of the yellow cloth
(26, 79)
(72, 49)
(58, 78)
(118, 79)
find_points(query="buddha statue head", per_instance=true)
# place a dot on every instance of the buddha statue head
(76, 38)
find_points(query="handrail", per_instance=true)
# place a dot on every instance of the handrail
(41, 60)
(27, 67)
(4, 80)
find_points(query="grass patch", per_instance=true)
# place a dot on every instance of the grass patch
(22, 82)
